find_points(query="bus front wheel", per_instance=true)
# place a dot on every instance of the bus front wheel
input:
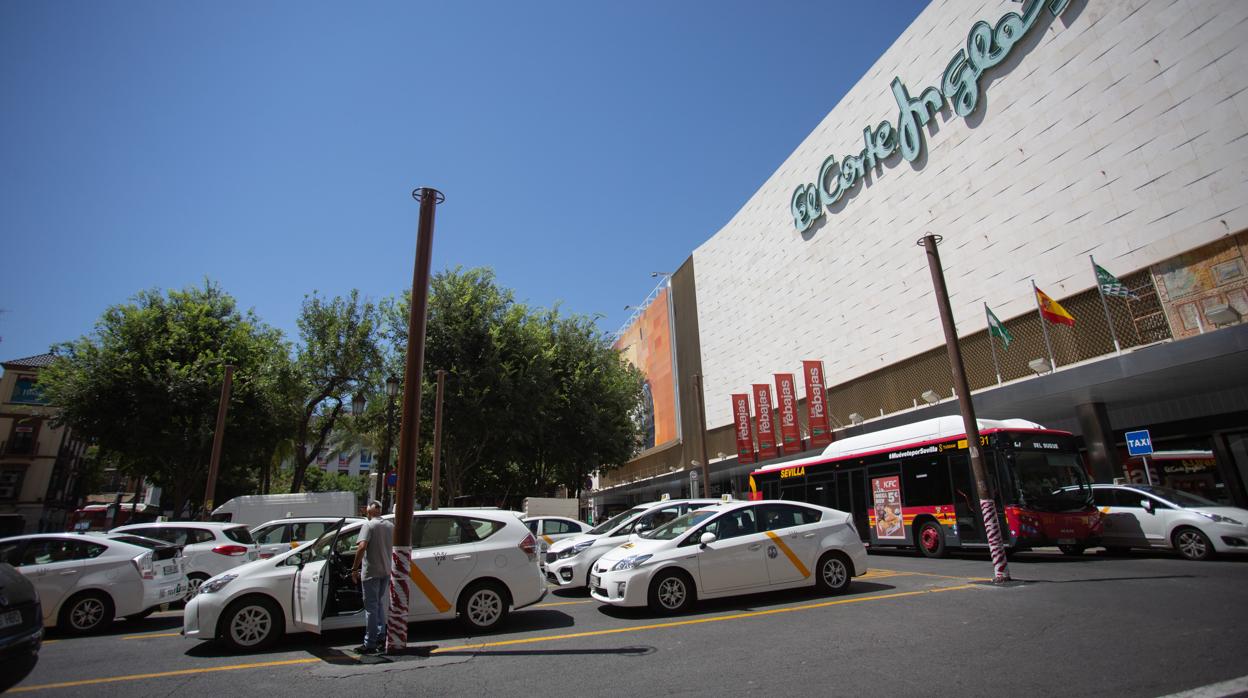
(931, 539)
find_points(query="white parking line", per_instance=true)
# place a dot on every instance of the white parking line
(1214, 690)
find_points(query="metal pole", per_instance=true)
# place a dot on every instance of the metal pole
(987, 504)
(992, 344)
(1148, 476)
(383, 492)
(437, 440)
(1044, 326)
(218, 435)
(409, 428)
(706, 468)
(1108, 318)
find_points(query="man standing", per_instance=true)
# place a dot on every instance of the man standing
(372, 571)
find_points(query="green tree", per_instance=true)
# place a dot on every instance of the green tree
(145, 385)
(338, 359)
(532, 399)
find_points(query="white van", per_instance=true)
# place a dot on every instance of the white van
(254, 509)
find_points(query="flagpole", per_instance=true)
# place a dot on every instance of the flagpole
(1108, 318)
(992, 343)
(1035, 292)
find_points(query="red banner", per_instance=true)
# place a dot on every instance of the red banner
(745, 433)
(766, 428)
(786, 409)
(816, 404)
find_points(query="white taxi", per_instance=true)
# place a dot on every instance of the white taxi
(86, 580)
(738, 548)
(552, 529)
(567, 562)
(472, 563)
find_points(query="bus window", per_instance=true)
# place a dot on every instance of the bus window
(926, 483)
(821, 490)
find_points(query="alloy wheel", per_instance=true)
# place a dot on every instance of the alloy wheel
(87, 613)
(1192, 545)
(672, 593)
(834, 573)
(250, 625)
(484, 607)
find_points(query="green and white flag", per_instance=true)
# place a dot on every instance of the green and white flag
(1110, 285)
(996, 329)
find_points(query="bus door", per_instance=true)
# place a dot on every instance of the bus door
(851, 492)
(966, 500)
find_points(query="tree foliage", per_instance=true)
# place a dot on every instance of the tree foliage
(145, 386)
(533, 400)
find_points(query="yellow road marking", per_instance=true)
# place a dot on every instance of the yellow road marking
(789, 554)
(428, 589)
(560, 603)
(696, 621)
(146, 636)
(161, 674)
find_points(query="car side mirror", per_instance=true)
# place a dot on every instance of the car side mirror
(1147, 504)
(708, 538)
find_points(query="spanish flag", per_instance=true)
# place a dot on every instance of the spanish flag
(1053, 311)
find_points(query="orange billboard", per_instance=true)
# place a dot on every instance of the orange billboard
(647, 344)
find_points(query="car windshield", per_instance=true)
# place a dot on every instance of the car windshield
(1051, 482)
(1178, 497)
(616, 520)
(678, 526)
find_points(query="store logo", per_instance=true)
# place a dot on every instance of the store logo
(986, 46)
(772, 552)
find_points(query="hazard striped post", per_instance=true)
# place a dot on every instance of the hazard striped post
(409, 430)
(987, 505)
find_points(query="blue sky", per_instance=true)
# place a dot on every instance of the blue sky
(272, 147)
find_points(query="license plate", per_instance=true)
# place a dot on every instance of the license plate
(1065, 541)
(170, 569)
(595, 581)
(10, 619)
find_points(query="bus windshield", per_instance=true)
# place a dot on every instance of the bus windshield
(1051, 482)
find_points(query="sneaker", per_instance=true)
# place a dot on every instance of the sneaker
(374, 650)
(362, 649)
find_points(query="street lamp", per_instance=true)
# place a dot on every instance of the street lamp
(358, 403)
(383, 494)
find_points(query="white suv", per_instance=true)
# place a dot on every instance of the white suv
(209, 548)
(567, 562)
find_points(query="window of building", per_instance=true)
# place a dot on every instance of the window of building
(11, 482)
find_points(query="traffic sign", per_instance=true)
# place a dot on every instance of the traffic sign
(1139, 443)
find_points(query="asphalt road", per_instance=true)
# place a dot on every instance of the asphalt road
(1147, 625)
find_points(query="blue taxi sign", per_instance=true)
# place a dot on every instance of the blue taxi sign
(1139, 443)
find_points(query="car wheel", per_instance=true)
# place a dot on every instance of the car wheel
(1192, 544)
(931, 540)
(671, 592)
(1074, 550)
(833, 573)
(483, 606)
(251, 623)
(192, 585)
(88, 612)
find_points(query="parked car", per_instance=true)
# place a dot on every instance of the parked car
(85, 581)
(550, 529)
(278, 536)
(472, 563)
(208, 548)
(1149, 516)
(21, 626)
(739, 548)
(567, 562)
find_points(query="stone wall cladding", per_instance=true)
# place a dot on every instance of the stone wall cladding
(1119, 129)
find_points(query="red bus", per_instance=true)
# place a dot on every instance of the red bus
(912, 486)
(94, 517)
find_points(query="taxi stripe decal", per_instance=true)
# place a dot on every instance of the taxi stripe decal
(548, 539)
(428, 589)
(788, 552)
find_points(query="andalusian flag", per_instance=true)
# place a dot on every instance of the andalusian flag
(1110, 285)
(996, 329)
(1053, 311)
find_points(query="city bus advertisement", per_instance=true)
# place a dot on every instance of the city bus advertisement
(886, 495)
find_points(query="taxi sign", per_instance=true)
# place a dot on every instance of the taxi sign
(1139, 443)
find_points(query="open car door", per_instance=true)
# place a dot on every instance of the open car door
(311, 580)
